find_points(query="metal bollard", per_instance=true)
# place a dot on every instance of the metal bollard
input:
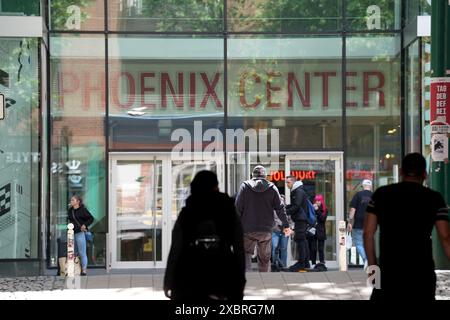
(342, 246)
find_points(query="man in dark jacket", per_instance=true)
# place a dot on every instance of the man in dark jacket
(256, 201)
(297, 210)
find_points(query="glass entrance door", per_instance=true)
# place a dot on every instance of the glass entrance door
(138, 200)
(321, 173)
(147, 193)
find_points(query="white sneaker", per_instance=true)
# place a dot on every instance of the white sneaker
(365, 265)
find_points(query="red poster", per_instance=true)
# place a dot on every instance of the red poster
(440, 104)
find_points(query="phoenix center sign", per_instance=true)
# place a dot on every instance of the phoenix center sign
(299, 89)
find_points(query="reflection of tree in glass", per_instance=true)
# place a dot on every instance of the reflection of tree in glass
(284, 15)
(182, 15)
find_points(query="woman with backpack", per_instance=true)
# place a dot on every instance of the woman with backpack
(316, 238)
(206, 260)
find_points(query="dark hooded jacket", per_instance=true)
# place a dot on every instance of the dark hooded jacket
(256, 201)
(298, 207)
(188, 279)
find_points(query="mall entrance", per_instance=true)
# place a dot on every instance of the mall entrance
(148, 190)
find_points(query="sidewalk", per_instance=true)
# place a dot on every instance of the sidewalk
(331, 285)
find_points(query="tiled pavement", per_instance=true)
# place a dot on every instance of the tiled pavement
(331, 285)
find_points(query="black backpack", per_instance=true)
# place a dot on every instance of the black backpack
(207, 257)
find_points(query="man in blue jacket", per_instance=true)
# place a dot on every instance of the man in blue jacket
(256, 201)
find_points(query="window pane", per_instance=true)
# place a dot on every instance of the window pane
(373, 111)
(159, 85)
(370, 15)
(78, 143)
(19, 149)
(284, 16)
(77, 15)
(165, 15)
(20, 8)
(412, 99)
(288, 84)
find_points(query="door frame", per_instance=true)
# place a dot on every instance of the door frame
(338, 158)
(167, 222)
(112, 236)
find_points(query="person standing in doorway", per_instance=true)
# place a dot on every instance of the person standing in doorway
(256, 202)
(279, 245)
(316, 241)
(81, 218)
(406, 213)
(297, 211)
(356, 217)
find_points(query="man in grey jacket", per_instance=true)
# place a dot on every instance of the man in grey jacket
(256, 201)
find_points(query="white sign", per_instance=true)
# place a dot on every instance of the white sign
(2, 106)
(439, 147)
(342, 246)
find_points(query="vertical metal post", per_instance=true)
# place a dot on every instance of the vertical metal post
(440, 66)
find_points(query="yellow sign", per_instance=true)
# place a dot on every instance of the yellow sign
(148, 247)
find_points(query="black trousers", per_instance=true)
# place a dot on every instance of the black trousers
(315, 244)
(302, 243)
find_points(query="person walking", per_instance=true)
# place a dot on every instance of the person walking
(206, 260)
(297, 210)
(356, 217)
(256, 202)
(406, 214)
(81, 218)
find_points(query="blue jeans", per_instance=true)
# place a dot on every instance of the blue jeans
(280, 242)
(80, 249)
(359, 244)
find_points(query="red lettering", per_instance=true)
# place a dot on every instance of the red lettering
(313, 174)
(242, 98)
(347, 88)
(325, 76)
(269, 89)
(305, 99)
(165, 80)
(367, 89)
(115, 89)
(192, 90)
(277, 176)
(308, 175)
(87, 88)
(210, 90)
(66, 89)
(145, 89)
(301, 175)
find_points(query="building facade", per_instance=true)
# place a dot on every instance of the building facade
(330, 91)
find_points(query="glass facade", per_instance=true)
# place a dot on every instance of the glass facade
(77, 126)
(372, 110)
(19, 149)
(129, 81)
(294, 66)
